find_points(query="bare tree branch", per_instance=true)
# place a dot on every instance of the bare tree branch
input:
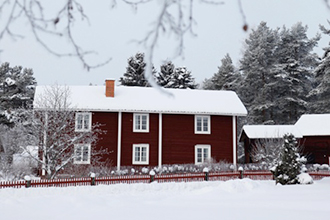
(33, 12)
(245, 25)
(53, 126)
(327, 4)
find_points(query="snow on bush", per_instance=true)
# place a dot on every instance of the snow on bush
(305, 178)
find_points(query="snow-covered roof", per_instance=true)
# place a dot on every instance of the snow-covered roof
(314, 124)
(270, 131)
(143, 99)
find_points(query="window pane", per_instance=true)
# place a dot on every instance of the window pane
(79, 121)
(144, 154)
(199, 155)
(199, 124)
(137, 122)
(86, 121)
(206, 154)
(144, 125)
(85, 153)
(137, 154)
(143, 122)
(78, 153)
(205, 124)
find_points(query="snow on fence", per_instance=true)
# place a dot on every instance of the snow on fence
(212, 176)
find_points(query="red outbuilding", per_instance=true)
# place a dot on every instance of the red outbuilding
(312, 130)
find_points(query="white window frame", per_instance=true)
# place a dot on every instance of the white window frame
(137, 122)
(139, 161)
(83, 115)
(202, 130)
(80, 159)
(202, 147)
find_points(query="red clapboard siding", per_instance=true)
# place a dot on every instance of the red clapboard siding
(317, 149)
(179, 138)
(107, 140)
(129, 138)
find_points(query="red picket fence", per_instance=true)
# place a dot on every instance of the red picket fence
(319, 174)
(212, 176)
(122, 179)
(12, 184)
(186, 177)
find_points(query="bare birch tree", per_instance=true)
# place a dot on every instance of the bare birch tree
(54, 128)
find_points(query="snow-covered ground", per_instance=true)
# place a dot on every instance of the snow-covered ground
(235, 199)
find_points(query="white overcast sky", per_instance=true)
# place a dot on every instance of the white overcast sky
(112, 32)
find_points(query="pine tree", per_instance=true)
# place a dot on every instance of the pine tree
(256, 65)
(319, 101)
(134, 75)
(290, 164)
(181, 79)
(164, 76)
(227, 77)
(277, 74)
(16, 90)
(293, 72)
(207, 84)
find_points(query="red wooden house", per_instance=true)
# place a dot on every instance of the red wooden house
(150, 128)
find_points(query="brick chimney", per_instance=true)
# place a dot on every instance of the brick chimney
(110, 88)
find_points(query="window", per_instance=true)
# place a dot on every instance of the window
(202, 153)
(82, 154)
(202, 124)
(83, 121)
(141, 123)
(141, 154)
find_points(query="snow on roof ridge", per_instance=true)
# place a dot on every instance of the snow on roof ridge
(270, 131)
(314, 124)
(307, 125)
(148, 99)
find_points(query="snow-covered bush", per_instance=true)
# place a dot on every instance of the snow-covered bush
(265, 151)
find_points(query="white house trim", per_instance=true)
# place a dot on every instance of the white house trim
(160, 139)
(43, 171)
(119, 141)
(234, 143)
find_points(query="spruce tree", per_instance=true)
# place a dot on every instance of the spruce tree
(290, 164)
(181, 79)
(134, 75)
(207, 84)
(227, 78)
(17, 87)
(277, 74)
(164, 76)
(256, 65)
(293, 72)
(318, 98)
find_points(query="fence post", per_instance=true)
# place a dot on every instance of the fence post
(93, 179)
(206, 172)
(27, 181)
(241, 174)
(152, 175)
